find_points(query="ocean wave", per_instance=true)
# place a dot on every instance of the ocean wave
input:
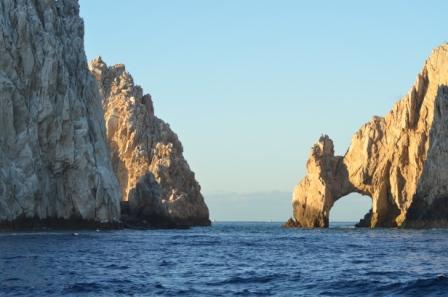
(433, 286)
(88, 287)
(257, 279)
(247, 260)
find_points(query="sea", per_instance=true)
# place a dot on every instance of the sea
(227, 259)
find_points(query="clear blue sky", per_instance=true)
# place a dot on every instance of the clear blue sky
(250, 85)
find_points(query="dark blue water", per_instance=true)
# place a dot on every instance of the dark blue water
(228, 259)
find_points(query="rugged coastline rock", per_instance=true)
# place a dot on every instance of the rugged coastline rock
(399, 160)
(147, 156)
(58, 166)
(54, 161)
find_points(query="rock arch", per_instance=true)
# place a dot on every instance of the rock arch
(399, 160)
(326, 182)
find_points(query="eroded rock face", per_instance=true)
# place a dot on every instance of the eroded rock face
(147, 155)
(399, 160)
(54, 162)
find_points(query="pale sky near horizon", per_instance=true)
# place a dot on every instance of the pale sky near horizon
(249, 86)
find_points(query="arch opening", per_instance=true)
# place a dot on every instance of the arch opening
(347, 211)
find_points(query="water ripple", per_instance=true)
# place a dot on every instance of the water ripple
(228, 259)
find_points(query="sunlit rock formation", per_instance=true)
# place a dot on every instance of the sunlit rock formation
(147, 156)
(55, 159)
(54, 162)
(400, 161)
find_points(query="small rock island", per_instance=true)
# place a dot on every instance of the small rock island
(400, 161)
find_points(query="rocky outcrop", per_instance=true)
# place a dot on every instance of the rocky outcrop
(147, 156)
(54, 162)
(399, 160)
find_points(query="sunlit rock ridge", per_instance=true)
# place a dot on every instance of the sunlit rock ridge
(399, 160)
(54, 161)
(147, 155)
(59, 165)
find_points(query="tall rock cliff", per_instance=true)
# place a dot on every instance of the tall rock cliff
(54, 162)
(147, 155)
(400, 161)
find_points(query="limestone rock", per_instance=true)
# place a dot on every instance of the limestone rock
(146, 154)
(400, 161)
(54, 162)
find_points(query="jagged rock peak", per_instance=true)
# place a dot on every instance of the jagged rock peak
(399, 160)
(147, 155)
(116, 79)
(54, 163)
